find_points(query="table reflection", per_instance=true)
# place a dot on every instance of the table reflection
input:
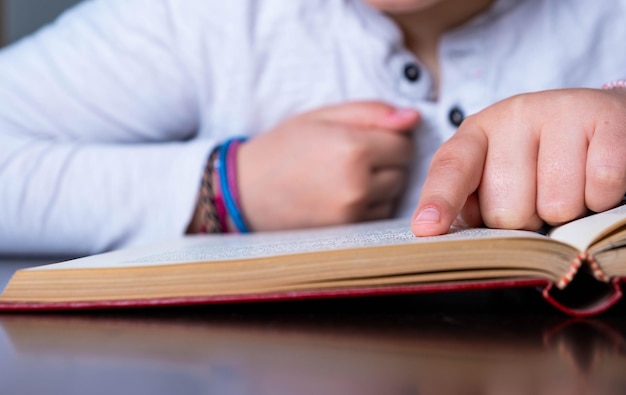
(210, 352)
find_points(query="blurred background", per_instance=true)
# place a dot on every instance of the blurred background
(21, 17)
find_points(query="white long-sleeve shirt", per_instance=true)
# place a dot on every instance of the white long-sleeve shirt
(108, 115)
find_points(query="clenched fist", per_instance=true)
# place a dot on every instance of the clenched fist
(339, 164)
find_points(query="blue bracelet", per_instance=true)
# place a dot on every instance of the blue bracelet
(231, 205)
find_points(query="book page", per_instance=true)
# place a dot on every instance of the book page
(584, 232)
(207, 248)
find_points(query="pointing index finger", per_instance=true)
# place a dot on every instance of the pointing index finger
(455, 173)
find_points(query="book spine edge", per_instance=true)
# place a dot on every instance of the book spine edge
(596, 270)
(573, 270)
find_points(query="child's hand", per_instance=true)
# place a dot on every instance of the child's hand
(338, 164)
(532, 158)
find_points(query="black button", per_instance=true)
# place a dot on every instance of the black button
(456, 116)
(412, 72)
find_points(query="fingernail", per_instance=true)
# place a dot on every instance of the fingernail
(403, 113)
(428, 215)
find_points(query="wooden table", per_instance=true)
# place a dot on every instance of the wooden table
(486, 343)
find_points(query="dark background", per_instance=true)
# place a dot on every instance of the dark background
(21, 17)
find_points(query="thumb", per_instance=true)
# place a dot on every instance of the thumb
(370, 114)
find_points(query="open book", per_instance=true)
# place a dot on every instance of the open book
(375, 258)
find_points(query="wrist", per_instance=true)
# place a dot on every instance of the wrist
(218, 207)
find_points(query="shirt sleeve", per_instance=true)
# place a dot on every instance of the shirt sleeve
(97, 124)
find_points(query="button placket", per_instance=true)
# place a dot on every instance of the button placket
(412, 72)
(463, 87)
(413, 82)
(456, 116)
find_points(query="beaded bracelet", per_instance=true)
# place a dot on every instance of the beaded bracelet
(615, 84)
(227, 170)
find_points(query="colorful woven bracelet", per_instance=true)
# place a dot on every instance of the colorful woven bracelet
(220, 207)
(227, 167)
(209, 218)
(231, 168)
